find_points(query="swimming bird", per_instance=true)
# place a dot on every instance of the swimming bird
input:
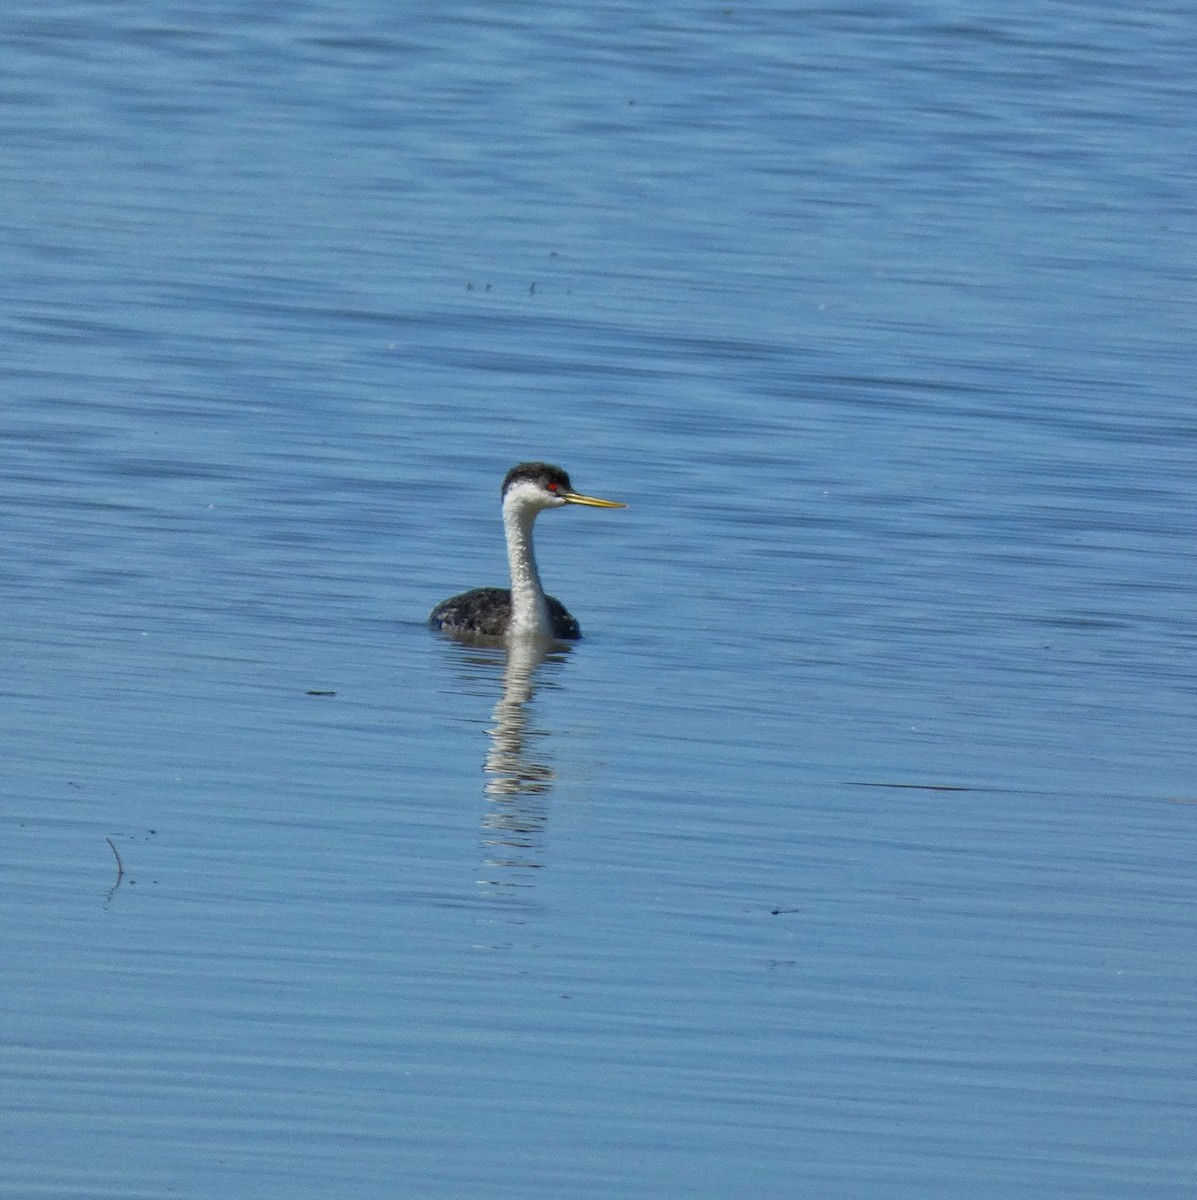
(524, 611)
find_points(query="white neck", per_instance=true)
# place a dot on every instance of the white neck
(529, 612)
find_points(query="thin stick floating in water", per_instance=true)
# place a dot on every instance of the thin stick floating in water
(907, 787)
(120, 866)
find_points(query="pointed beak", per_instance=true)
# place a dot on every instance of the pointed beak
(590, 501)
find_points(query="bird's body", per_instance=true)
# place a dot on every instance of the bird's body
(523, 611)
(486, 612)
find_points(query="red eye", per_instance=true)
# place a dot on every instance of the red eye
(553, 487)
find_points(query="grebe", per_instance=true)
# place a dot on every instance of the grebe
(524, 611)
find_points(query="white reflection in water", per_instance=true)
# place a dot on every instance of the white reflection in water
(518, 762)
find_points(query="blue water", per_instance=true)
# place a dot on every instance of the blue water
(850, 854)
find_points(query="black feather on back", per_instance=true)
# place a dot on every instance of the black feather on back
(486, 613)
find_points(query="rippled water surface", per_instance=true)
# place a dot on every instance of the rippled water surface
(850, 854)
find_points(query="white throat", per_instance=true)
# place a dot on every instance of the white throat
(529, 612)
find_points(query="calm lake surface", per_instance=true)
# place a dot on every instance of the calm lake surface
(851, 854)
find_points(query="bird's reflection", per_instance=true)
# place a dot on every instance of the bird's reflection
(519, 773)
